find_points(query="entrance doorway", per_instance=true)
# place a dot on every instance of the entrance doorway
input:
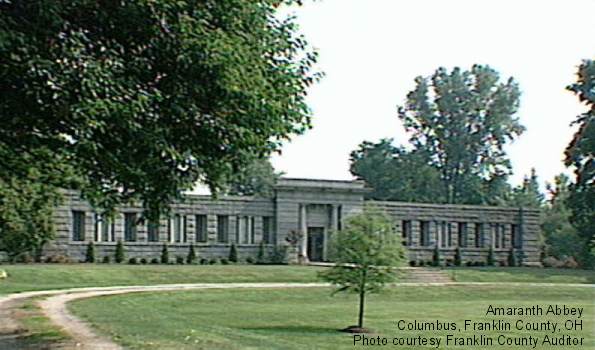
(315, 243)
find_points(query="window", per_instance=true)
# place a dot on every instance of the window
(406, 232)
(130, 227)
(78, 225)
(222, 228)
(462, 234)
(177, 229)
(153, 231)
(424, 237)
(201, 228)
(104, 229)
(516, 236)
(267, 229)
(449, 228)
(245, 229)
(479, 235)
(444, 234)
(499, 236)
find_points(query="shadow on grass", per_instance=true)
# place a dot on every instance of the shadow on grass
(294, 330)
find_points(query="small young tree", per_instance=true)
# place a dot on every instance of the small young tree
(365, 253)
(458, 258)
(491, 259)
(512, 258)
(90, 255)
(119, 255)
(436, 256)
(260, 257)
(164, 254)
(191, 255)
(233, 253)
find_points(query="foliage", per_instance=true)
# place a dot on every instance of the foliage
(580, 156)
(180, 260)
(119, 254)
(395, 173)
(233, 253)
(257, 178)
(491, 261)
(561, 238)
(191, 257)
(436, 256)
(143, 98)
(279, 255)
(26, 207)
(90, 253)
(458, 258)
(260, 256)
(512, 258)
(133, 261)
(527, 194)
(463, 119)
(164, 254)
(106, 259)
(365, 253)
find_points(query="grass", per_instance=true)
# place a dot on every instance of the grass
(308, 318)
(39, 331)
(520, 274)
(52, 276)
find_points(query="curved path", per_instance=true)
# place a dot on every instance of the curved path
(85, 338)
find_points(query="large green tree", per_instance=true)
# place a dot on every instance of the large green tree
(527, 194)
(141, 99)
(258, 178)
(580, 155)
(395, 173)
(463, 119)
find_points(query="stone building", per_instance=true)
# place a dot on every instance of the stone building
(313, 208)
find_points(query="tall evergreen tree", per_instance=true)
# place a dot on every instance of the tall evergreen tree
(528, 193)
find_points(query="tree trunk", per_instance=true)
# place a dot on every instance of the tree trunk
(362, 296)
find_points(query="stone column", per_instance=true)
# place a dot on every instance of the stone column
(303, 252)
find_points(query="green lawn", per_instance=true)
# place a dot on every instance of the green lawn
(309, 318)
(520, 274)
(51, 276)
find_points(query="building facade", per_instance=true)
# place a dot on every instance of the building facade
(312, 208)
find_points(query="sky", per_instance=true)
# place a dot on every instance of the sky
(371, 51)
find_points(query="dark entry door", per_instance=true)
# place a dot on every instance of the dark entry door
(315, 243)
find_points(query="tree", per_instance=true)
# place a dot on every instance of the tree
(233, 253)
(119, 255)
(463, 119)
(527, 194)
(90, 253)
(580, 156)
(164, 254)
(365, 253)
(395, 173)
(191, 257)
(561, 238)
(257, 178)
(143, 98)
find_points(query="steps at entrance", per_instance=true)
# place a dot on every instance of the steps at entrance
(423, 275)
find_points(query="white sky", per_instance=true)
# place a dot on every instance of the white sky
(371, 50)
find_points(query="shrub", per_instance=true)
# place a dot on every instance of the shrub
(119, 255)
(458, 259)
(154, 261)
(491, 261)
(57, 259)
(224, 261)
(204, 261)
(24, 258)
(436, 256)
(90, 254)
(481, 263)
(250, 260)
(279, 255)
(422, 263)
(191, 258)
(143, 261)
(106, 259)
(180, 260)
(132, 261)
(233, 253)
(512, 258)
(212, 261)
(260, 257)
(469, 263)
(412, 263)
(164, 254)
(570, 263)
